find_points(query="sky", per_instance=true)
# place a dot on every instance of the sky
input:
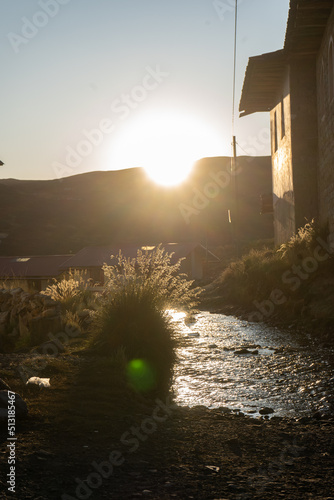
(110, 84)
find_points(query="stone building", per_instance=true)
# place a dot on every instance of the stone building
(296, 85)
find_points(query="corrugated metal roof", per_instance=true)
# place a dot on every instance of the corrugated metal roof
(306, 25)
(99, 255)
(262, 82)
(43, 266)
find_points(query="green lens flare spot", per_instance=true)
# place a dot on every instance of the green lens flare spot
(141, 375)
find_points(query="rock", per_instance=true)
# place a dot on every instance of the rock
(21, 409)
(48, 313)
(6, 306)
(224, 409)
(40, 382)
(266, 411)
(242, 351)
(23, 329)
(48, 302)
(245, 350)
(4, 316)
(33, 305)
(5, 295)
(13, 316)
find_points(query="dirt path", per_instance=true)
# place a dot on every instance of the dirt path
(194, 453)
(88, 438)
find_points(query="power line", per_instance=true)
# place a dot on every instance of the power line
(235, 203)
(234, 63)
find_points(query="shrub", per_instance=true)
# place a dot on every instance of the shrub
(152, 274)
(132, 316)
(72, 292)
(257, 274)
(253, 276)
(132, 323)
(301, 244)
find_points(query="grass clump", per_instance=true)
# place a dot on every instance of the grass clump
(293, 272)
(132, 317)
(151, 275)
(252, 276)
(302, 244)
(72, 293)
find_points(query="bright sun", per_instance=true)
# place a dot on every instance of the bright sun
(165, 144)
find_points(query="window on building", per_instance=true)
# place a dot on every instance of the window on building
(331, 71)
(275, 132)
(282, 119)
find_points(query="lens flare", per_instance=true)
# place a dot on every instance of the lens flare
(141, 375)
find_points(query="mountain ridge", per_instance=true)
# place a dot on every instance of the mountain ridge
(101, 207)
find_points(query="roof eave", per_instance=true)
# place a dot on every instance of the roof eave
(262, 81)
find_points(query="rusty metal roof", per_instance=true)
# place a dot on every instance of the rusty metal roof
(306, 25)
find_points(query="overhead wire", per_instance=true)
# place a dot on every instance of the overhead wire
(234, 64)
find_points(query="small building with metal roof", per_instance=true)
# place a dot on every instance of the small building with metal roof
(90, 260)
(34, 272)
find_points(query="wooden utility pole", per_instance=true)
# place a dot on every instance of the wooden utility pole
(235, 198)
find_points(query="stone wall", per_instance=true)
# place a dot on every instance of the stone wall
(25, 314)
(326, 133)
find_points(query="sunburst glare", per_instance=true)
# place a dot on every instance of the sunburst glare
(166, 144)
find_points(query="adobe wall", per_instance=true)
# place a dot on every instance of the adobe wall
(326, 135)
(304, 137)
(283, 190)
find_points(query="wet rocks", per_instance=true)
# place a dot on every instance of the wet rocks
(245, 351)
(266, 411)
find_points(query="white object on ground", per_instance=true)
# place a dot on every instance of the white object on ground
(42, 382)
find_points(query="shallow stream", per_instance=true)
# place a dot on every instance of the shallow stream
(231, 363)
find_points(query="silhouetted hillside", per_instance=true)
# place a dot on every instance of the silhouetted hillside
(62, 216)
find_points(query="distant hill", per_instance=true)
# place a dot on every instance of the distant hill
(63, 216)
